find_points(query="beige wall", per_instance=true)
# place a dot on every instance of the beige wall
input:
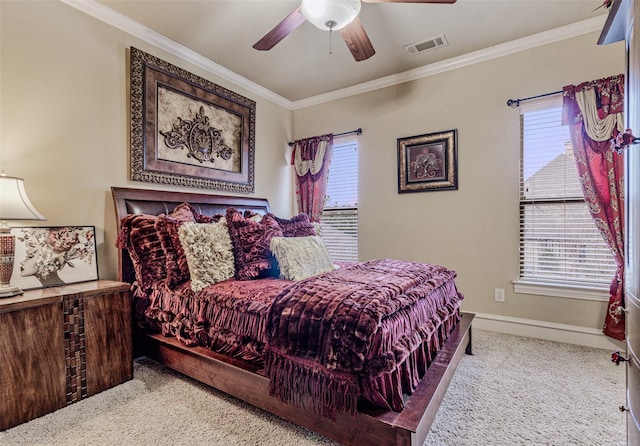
(64, 123)
(473, 230)
(64, 129)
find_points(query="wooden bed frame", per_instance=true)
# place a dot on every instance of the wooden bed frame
(371, 425)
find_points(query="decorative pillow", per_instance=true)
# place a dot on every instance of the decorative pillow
(184, 212)
(187, 212)
(301, 257)
(138, 235)
(250, 241)
(176, 262)
(297, 226)
(252, 215)
(209, 252)
(177, 270)
(201, 218)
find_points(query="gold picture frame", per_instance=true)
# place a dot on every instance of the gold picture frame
(188, 131)
(428, 162)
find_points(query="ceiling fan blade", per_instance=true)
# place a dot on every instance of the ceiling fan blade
(409, 1)
(357, 40)
(281, 30)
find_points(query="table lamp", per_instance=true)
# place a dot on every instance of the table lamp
(14, 205)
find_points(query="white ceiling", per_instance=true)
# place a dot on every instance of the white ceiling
(301, 67)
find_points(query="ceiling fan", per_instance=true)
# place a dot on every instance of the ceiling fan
(330, 15)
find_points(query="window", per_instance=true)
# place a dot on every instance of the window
(559, 242)
(340, 215)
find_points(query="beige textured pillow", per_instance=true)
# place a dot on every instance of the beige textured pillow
(301, 257)
(209, 252)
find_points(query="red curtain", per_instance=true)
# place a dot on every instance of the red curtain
(594, 113)
(311, 158)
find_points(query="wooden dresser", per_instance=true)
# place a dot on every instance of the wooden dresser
(60, 345)
(621, 26)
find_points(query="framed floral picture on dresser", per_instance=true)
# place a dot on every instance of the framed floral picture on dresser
(54, 256)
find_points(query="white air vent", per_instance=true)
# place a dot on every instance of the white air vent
(426, 45)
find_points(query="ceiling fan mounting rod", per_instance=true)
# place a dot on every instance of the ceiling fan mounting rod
(330, 24)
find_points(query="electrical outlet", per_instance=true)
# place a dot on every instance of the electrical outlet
(499, 294)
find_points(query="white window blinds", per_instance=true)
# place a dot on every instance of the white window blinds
(559, 242)
(340, 215)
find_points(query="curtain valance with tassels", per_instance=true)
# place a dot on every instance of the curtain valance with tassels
(311, 159)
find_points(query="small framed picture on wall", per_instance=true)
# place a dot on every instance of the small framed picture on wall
(428, 162)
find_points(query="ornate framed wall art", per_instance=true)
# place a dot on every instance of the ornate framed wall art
(428, 162)
(54, 256)
(188, 131)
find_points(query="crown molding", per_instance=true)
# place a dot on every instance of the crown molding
(505, 49)
(133, 28)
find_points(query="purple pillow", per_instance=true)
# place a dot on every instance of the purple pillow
(250, 214)
(138, 235)
(177, 269)
(175, 259)
(297, 226)
(152, 251)
(251, 239)
(184, 212)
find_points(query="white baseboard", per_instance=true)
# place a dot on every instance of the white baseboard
(571, 334)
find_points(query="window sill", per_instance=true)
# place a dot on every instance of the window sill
(561, 290)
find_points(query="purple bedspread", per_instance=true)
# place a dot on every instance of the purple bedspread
(365, 330)
(362, 332)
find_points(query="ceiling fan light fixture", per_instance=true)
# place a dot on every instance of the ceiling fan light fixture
(330, 15)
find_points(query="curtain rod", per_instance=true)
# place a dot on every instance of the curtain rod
(516, 102)
(356, 131)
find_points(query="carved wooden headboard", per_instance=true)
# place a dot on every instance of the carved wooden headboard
(155, 202)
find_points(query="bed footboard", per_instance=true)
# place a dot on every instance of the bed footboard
(370, 426)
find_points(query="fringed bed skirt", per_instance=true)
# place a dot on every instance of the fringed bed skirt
(387, 390)
(231, 318)
(228, 317)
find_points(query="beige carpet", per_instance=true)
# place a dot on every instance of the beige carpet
(513, 391)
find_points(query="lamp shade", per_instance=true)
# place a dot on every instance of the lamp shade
(330, 14)
(14, 203)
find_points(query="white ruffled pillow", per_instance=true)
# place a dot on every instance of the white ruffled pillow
(209, 252)
(301, 257)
